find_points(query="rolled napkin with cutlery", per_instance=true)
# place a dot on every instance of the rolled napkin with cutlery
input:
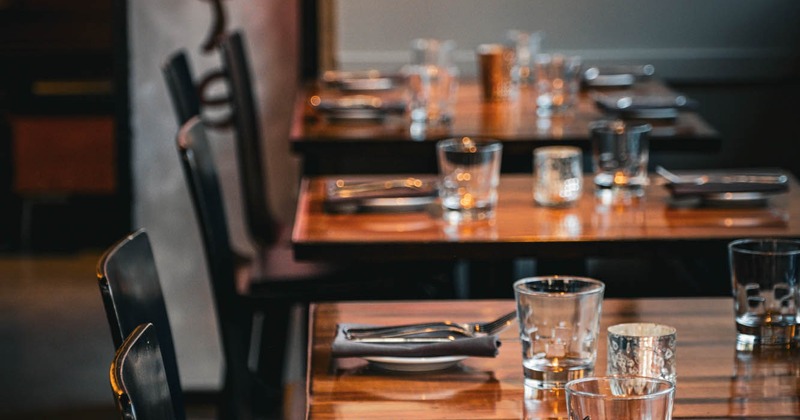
(685, 189)
(417, 346)
(387, 194)
(696, 183)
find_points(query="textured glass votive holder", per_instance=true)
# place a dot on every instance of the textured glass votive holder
(642, 349)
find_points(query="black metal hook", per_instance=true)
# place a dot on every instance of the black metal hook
(217, 30)
(208, 100)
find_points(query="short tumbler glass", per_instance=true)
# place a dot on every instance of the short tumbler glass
(432, 81)
(620, 153)
(469, 173)
(557, 83)
(559, 321)
(764, 274)
(620, 397)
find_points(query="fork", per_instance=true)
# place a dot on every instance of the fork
(369, 186)
(465, 329)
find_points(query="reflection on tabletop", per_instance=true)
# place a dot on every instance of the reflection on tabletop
(356, 378)
(766, 371)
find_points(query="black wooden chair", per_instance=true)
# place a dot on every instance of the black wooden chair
(272, 281)
(139, 379)
(266, 290)
(232, 289)
(132, 296)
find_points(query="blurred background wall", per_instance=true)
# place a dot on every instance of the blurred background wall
(718, 39)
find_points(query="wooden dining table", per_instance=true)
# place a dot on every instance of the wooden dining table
(520, 228)
(716, 378)
(393, 144)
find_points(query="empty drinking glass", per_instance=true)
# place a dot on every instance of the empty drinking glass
(559, 321)
(432, 80)
(469, 172)
(764, 273)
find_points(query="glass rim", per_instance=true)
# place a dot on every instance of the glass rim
(561, 151)
(482, 144)
(669, 389)
(598, 286)
(606, 126)
(667, 330)
(736, 246)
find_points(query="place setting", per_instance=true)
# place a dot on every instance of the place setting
(359, 96)
(746, 187)
(421, 347)
(379, 194)
(616, 76)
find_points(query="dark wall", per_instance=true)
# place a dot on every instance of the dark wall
(757, 121)
(62, 60)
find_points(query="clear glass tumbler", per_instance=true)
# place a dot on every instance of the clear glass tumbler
(620, 152)
(432, 81)
(559, 321)
(469, 173)
(764, 276)
(620, 397)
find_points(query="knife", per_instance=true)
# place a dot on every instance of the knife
(396, 340)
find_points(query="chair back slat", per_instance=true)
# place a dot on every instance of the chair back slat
(139, 379)
(249, 142)
(180, 83)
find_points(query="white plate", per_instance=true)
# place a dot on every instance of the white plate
(737, 198)
(414, 364)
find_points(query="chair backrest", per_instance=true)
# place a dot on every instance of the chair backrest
(233, 317)
(249, 142)
(132, 296)
(182, 90)
(138, 378)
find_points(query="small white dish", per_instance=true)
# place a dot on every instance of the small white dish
(414, 364)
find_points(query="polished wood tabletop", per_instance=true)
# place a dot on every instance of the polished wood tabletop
(714, 378)
(521, 228)
(379, 146)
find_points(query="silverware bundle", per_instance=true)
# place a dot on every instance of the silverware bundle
(431, 332)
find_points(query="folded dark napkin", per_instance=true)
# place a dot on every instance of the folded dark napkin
(691, 189)
(721, 181)
(343, 199)
(658, 106)
(485, 346)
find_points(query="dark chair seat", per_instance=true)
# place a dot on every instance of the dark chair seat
(276, 263)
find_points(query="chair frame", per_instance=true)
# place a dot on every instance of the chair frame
(234, 313)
